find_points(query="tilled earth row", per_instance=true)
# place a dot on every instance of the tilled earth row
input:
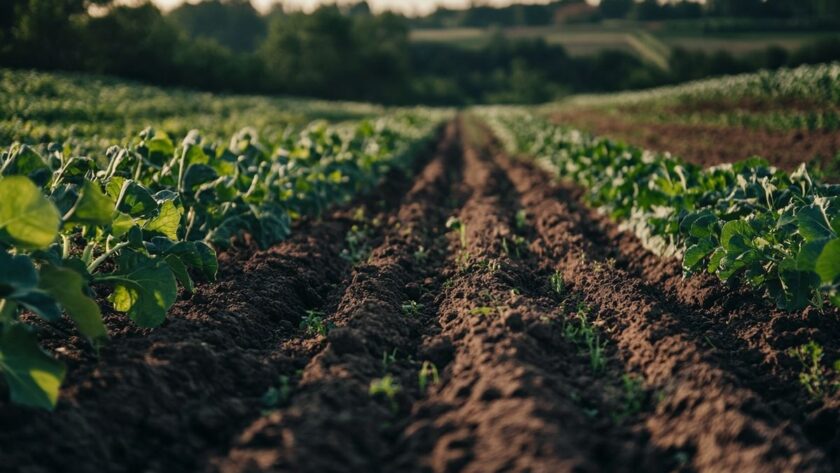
(472, 318)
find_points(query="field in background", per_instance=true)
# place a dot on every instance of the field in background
(650, 41)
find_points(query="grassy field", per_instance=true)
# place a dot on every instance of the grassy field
(650, 41)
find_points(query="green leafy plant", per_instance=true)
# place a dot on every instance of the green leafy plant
(455, 224)
(745, 221)
(412, 308)
(581, 331)
(814, 377)
(277, 396)
(558, 285)
(633, 397)
(388, 359)
(313, 323)
(387, 388)
(144, 218)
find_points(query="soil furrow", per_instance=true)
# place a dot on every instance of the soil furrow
(707, 418)
(182, 390)
(171, 398)
(755, 335)
(511, 400)
(331, 421)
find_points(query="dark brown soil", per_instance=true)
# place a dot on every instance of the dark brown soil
(233, 383)
(708, 145)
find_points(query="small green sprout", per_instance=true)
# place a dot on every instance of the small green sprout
(386, 387)
(277, 396)
(557, 283)
(521, 219)
(455, 224)
(586, 335)
(314, 324)
(388, 359)
(421, 254)
(428, 375)
(633, 397)
(814, 377)
(358, 244)
(412, 308)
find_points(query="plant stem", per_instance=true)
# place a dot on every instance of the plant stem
(104, 256)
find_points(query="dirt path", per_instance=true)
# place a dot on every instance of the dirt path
(547, 341)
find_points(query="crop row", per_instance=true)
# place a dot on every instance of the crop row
(141, 220)
(745, 221)
(819, 84)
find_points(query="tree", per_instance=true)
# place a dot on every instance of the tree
(232, 23)
(615, 8)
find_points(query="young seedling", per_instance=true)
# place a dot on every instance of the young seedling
(388, 359)
(421, 255)
(586, 335)
(521, 219)
(428, 375)
(277, 396)
(455, 224)
(517, 243)
(633, 397)
(387, 388)
(814, 377)
(412, 308)
(358, 244)
(557, 283)
(314, 324)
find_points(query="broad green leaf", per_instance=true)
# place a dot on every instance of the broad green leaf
(180, 271)
(735, 235)
(197, 256)
(813, 224)
(701, 227)
(828, 263)
(93, 207)
(17, 275)
(27, 218)
(715, 259)
(166, 222)
(122, 223)
(198, 174)
(695, 254)
(798, 287)
(137, 201)
(41, 304)
(144, 288)
(34, 378)
(806, 260)
(68, 288)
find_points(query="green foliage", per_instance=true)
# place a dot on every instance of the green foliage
(557, 283)
(428, 375)
(582, 332)
(388, 388)
(632, 398)
(744, 221)
(412, 308)
(814, 377)
(146, 217)
(313, 323)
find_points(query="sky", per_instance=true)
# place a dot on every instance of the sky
(411, 7)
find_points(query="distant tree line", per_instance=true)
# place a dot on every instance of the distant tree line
(334, 53)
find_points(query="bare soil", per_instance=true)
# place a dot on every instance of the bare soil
(233, 383)
(708, 145)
